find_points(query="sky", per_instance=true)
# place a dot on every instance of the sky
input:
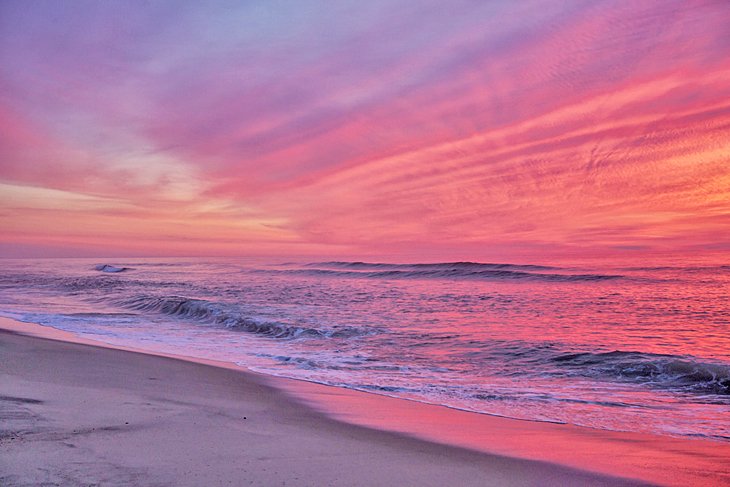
(411, 130)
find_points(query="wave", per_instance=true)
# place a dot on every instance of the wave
(443, 271)
(110, 268)
(687, 269)
(678, 373)
(437, 265)
(203, 311)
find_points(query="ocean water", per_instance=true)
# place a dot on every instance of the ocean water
(632, 347)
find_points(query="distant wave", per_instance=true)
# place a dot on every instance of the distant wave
(438, 265)
(110, 268)
(209, 312)
(446, 270)
(690, 269)
(665, 371)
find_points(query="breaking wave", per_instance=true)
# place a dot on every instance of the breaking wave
(664, 371)
(228, 316)
(110, 268)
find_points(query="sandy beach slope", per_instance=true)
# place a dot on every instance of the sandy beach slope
(74, 414)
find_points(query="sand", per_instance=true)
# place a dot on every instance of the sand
(77, 414)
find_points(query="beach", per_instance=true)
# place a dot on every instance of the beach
(78, 414)
(75, 414)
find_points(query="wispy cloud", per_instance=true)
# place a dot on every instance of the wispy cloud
(472, 129)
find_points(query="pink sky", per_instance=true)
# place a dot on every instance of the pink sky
(469, 131)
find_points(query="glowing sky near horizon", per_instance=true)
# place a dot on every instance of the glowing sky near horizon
(470, 130)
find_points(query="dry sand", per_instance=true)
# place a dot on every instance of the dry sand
(75, 414)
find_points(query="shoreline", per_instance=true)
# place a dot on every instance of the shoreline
(570, 452)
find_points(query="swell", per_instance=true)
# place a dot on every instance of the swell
(688, 269)
(439, 265)
(229, 316)
(458, 272)
(110, 268)
(678, 373)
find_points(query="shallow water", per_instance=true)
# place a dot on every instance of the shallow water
(623, 347)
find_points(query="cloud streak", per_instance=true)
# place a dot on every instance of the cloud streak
(478, 130)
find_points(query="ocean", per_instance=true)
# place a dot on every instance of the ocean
(621, 347)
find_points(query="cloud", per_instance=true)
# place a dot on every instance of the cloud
(480, 128)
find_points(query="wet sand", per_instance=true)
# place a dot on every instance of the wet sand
(77, 414)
